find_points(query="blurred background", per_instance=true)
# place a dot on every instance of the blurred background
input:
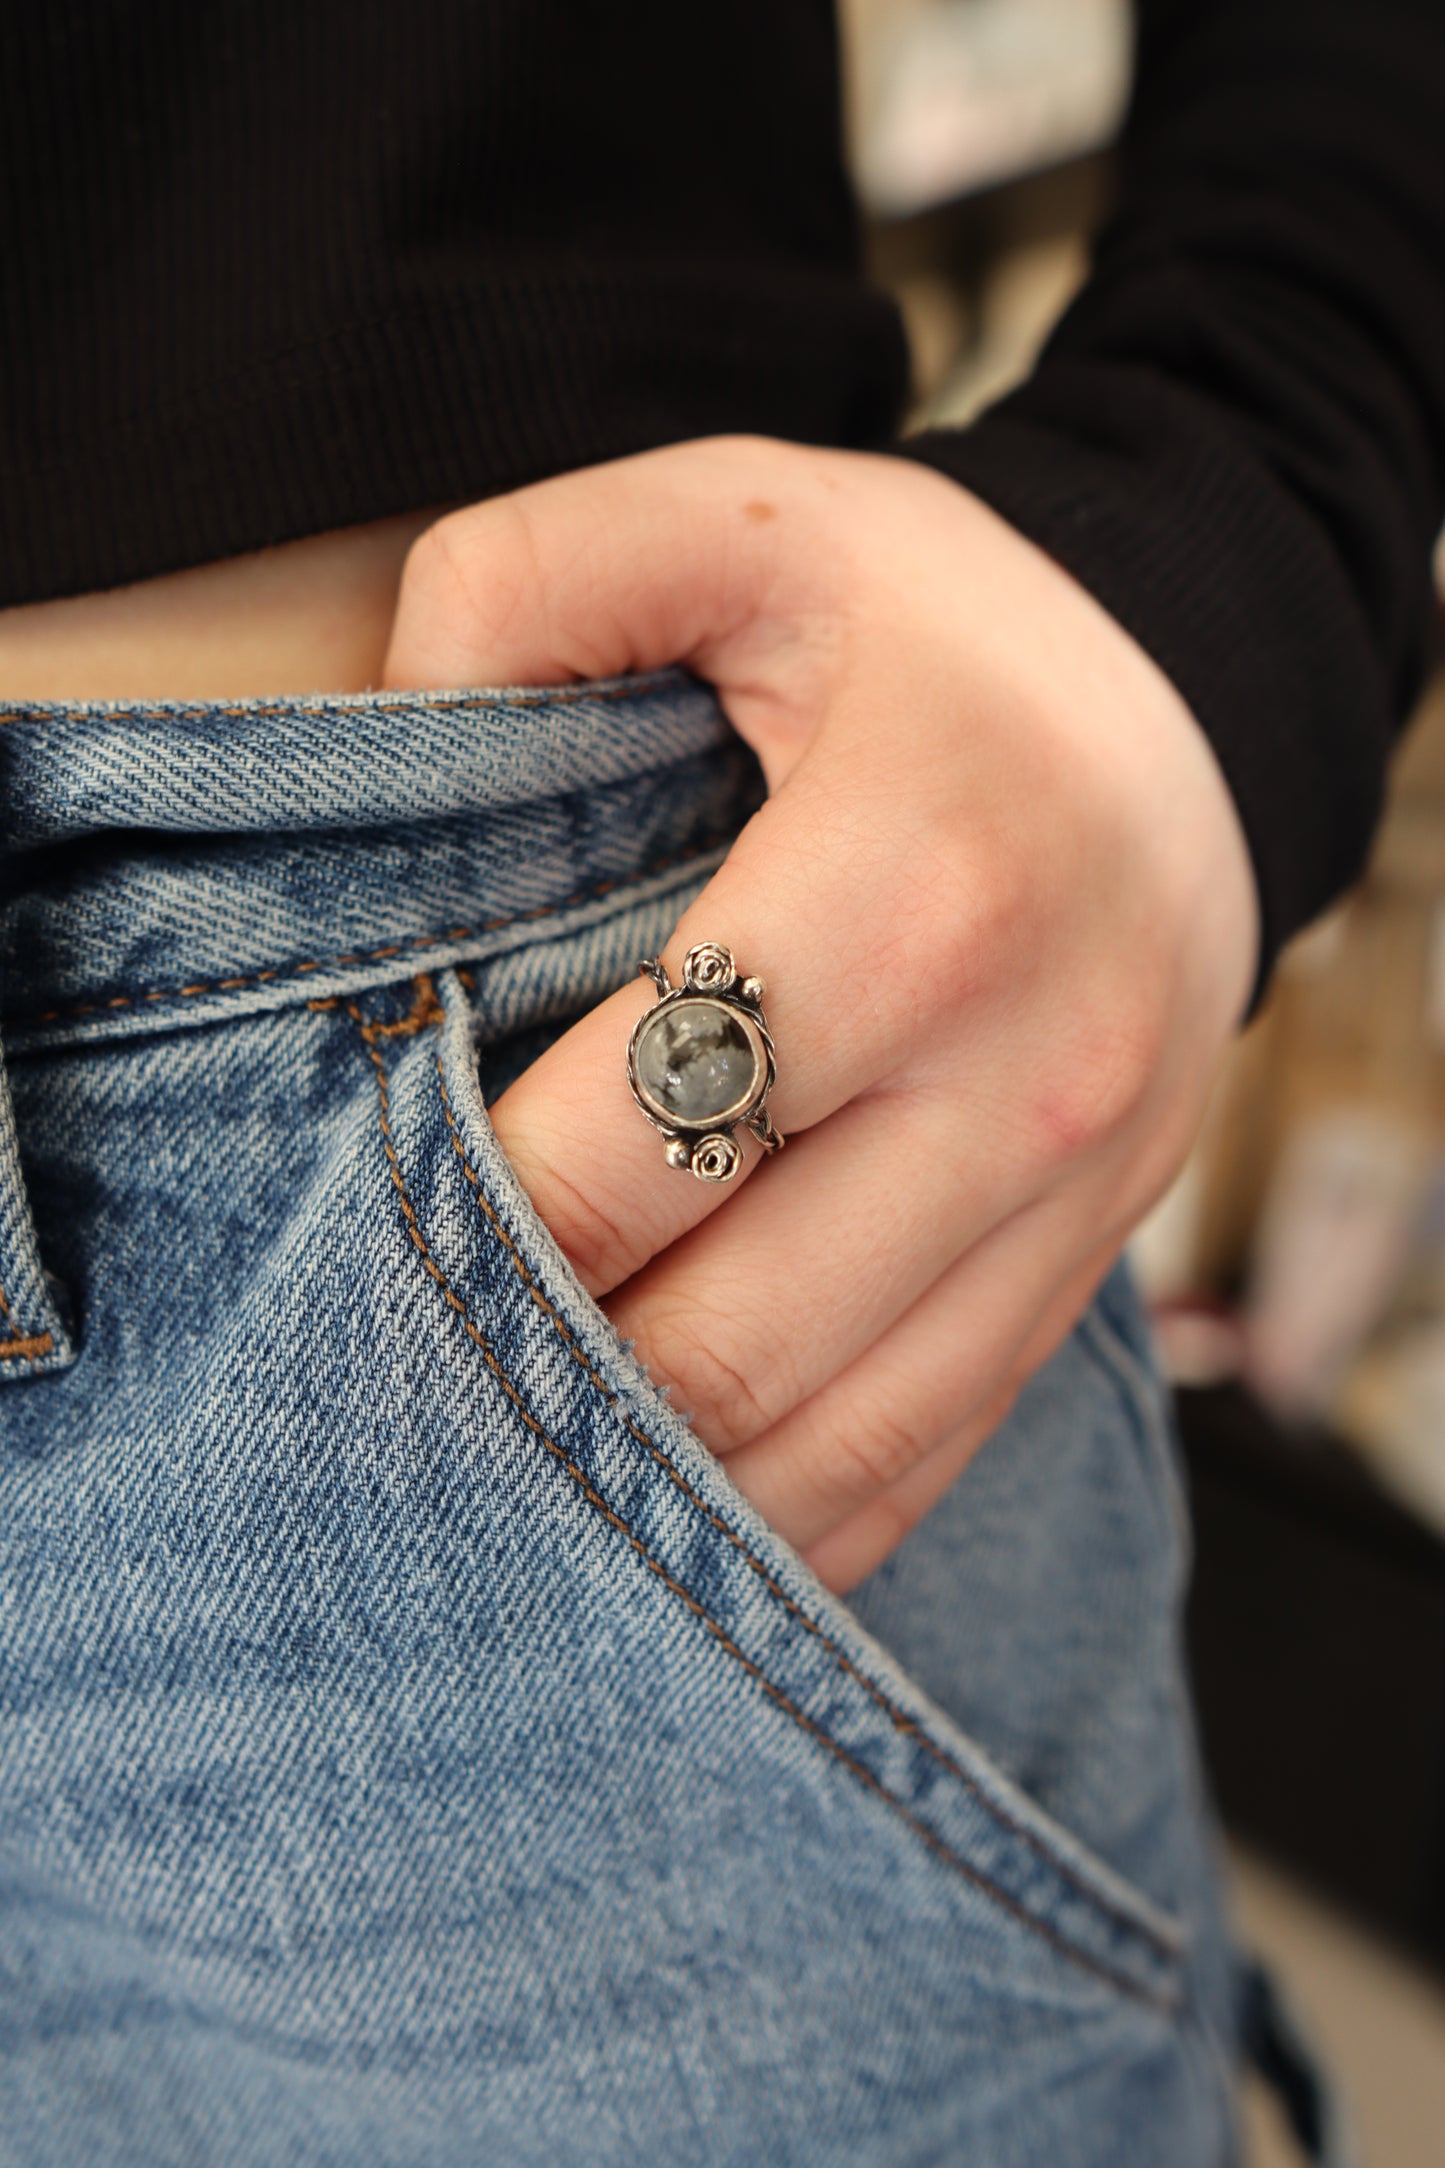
(1297, 1270)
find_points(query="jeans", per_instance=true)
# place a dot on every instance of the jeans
(414, 1750)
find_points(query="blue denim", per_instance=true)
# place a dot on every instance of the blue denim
(414, 1750)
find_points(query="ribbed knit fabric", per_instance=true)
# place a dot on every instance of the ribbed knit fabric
(1236, 438)
(275, 266)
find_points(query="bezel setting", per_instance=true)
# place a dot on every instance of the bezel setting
(706, 1147)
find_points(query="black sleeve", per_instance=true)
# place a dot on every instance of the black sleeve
(1235, 438)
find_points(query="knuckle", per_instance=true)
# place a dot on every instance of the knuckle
(1125, 1060)
(465, 573)
(733, 1396)
(1100, 1088)
(1004, 898)
(976, 908)
(438, 563)
(959, 958)
(871, 1454)
(594, 1243)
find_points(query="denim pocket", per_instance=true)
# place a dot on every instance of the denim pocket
(424, 1754)
(774, 1643)
(417, 1751)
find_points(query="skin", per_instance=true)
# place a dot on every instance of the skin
(1001, 899)
(999, 892)
(307, 616)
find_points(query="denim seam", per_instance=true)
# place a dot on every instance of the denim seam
(19, 1346)
(1170, 1950)
(899, 1718)
(523, 696)
(390, 953)
(1120, 1982)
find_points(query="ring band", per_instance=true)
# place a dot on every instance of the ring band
(701, 1062)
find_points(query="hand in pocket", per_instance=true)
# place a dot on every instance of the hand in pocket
(1003, 907)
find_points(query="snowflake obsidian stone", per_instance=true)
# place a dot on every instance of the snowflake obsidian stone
(697, 1063)
(700, 1061)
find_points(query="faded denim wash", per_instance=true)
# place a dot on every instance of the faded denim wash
(414, 1751)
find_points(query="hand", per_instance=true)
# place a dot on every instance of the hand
(1003, 906)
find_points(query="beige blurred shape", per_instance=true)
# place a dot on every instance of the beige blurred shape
(1380, 2022)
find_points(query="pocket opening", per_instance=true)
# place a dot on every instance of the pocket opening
(763, 1606)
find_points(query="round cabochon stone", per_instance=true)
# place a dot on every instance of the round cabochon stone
(695, 1061)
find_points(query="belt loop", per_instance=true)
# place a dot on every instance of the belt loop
(33, 1334)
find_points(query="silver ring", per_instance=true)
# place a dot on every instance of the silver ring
(701, 1062)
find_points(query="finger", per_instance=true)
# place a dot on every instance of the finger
(847, 1554)
(808, 899)
(587, 574)
(952, 1353)
(711, 553)
(857, 1546)
(752, 1314)
(700, 554)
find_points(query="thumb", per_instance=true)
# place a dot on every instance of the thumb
(697, 554)
(721, 555)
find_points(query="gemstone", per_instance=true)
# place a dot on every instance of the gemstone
(697, 1061)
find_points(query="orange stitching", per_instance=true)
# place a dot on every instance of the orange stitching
(13, 1350)
(425, 1010)
(380, 955)
(899, 1718)
(1082, 1958)
(525, 696)
(18, 1347)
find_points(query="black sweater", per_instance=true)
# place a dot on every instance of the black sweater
(273, 266)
